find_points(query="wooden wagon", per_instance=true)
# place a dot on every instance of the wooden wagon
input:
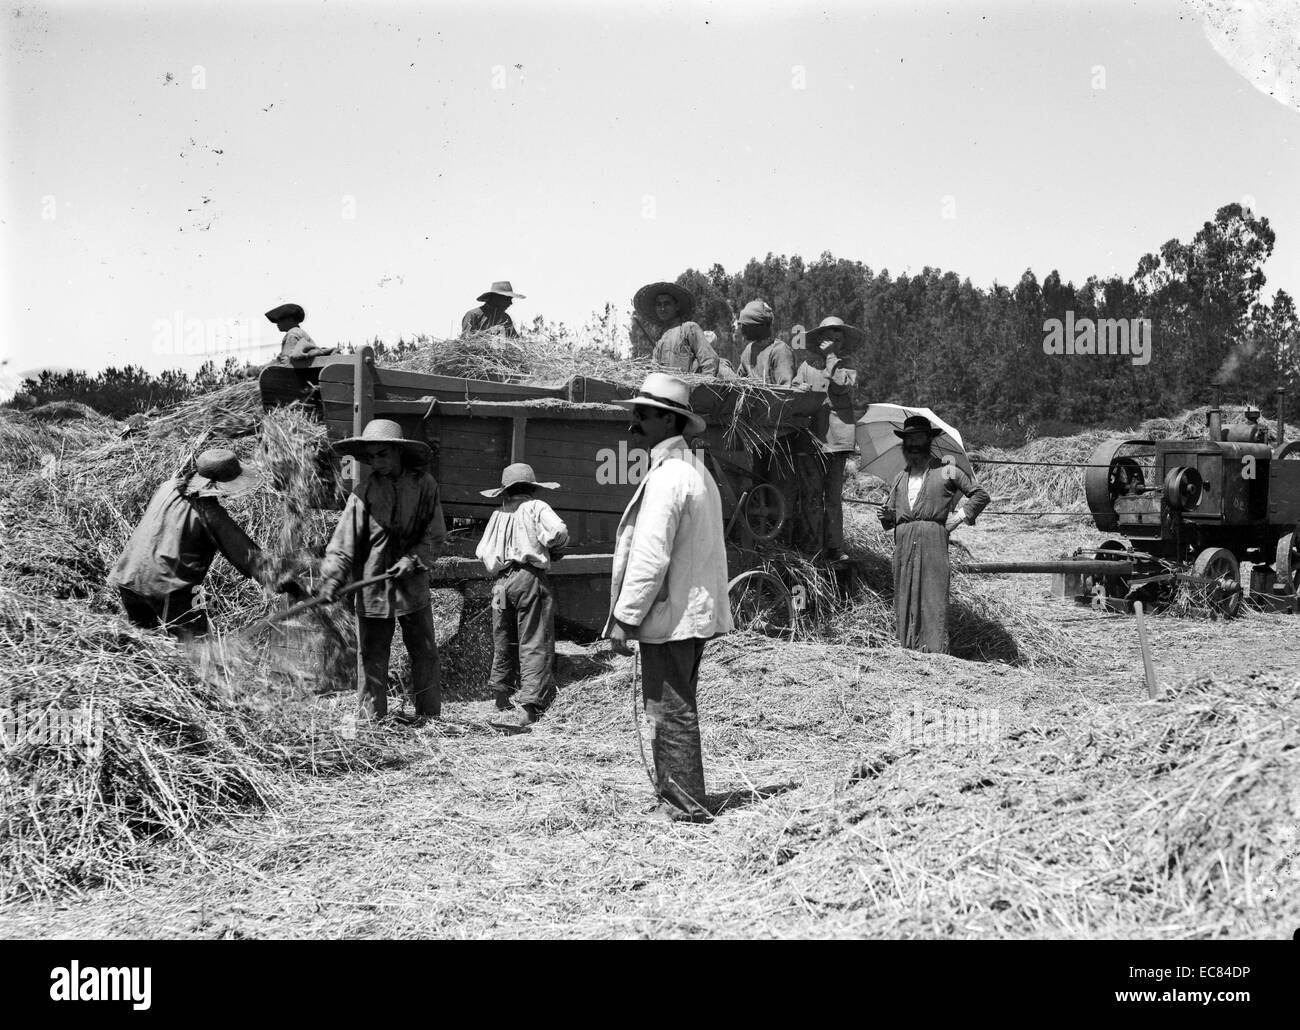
(571, 434)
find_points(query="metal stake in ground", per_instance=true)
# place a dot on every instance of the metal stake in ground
(1153, 691)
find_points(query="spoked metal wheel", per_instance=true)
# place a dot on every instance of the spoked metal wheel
(1286, 565)
(1288, 452)
(765, 512)
(761, 602)
(1224, 595)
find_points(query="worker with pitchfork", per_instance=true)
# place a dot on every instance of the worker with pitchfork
(391, 526)
(182, 530)
(669, 586)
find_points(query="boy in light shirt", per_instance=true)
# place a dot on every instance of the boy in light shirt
(517, 548)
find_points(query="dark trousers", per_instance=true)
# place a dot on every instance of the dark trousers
(375, 638)
(174, 612)
(820, 515)
(523, 637)
(669, 674)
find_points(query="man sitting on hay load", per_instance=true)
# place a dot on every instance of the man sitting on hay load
(681, 345)
(492, 317)
(392, 527)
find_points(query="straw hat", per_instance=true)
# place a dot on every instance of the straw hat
(917, 424)
(644, 301)
(668, 393)
(293, 311)
(501, 288)
(513, 476)
(219, 474)
(381, 431)
(853, 336)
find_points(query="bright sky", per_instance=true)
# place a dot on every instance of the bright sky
(382, 163)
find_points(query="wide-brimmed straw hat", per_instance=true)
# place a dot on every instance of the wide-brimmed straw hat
(381, 431)
(514, 475)
(660, 390)
(917, 424)
(279, 314)
(853, 336)
(502, 288)
(219, 474)
(644, 300)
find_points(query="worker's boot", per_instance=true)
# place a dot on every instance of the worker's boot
(517, 720)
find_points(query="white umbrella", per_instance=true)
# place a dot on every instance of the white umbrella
(882, 451)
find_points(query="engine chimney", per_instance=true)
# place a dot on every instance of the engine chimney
(1281, 419)
(1214, 418)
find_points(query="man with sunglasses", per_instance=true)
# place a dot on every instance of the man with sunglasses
(669, 586)
(928, 501)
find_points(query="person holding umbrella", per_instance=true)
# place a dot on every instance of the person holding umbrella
(928, 500)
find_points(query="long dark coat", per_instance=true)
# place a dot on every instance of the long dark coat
(921, 570)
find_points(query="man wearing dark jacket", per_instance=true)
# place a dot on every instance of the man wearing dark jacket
(492, 317)
(182, 530)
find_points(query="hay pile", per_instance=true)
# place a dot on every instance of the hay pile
(187, 739)
(158, 754)
(1178, 817)
(531, 359)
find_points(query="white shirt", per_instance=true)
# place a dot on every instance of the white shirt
(522, 532)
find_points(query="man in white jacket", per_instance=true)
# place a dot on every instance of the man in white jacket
(669, 586)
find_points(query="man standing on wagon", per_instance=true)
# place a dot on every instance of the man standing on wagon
(827, 370)
(669, 587)
(682, 345)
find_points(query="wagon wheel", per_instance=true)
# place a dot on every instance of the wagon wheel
(1286, 566)
(764, 511)
(1224, 597)
(761, 602)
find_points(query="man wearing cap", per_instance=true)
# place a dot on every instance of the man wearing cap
(522, 538)
(669, 586)
(391, 526)
(491, 317)
(926, 503)
(773, 363)
(681, 346)
(183, 528)
(296, 345)
(827, 370)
